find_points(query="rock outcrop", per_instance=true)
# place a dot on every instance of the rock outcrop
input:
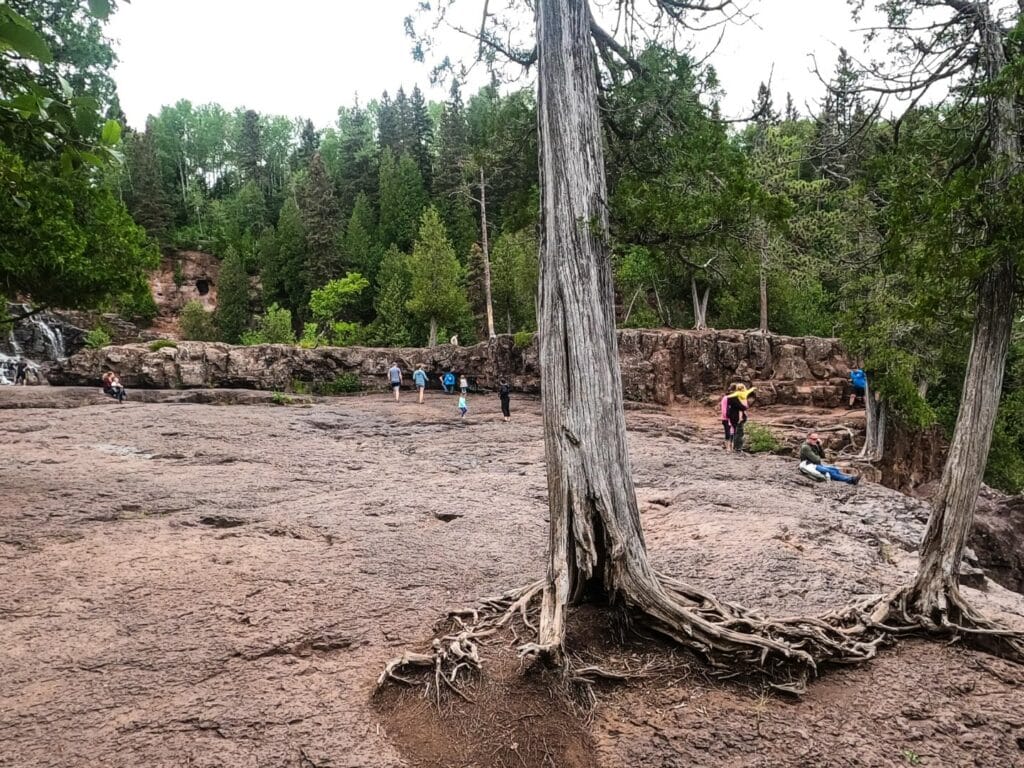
(998, 537)
(657, 366)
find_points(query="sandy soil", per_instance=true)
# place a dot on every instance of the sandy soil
(200, 585)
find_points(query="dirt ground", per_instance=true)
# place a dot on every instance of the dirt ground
(204, 585)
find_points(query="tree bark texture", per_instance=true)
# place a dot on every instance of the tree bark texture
(700, 306)
(763, 281)
(486, 256)
(432, 338)
(595, 529)
(953, 506)
(874, 430)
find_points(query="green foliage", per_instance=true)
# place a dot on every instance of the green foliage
(391, 326)
(436, 292)
(310, 336)
(232, 315)
(761, 439)
(197, 324)
(523, 339)
(156, 346)
(97, 338)
(346, 383)
(322, 222)
(330, 302)
(402, 199)
(279, 398)
(514, 275)
(274, 327)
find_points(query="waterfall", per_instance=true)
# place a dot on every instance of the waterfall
(52, 335)
(7, 372)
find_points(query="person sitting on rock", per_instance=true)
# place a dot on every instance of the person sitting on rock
(112, 386)
(812, 462)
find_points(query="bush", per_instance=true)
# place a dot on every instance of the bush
(523, 339)
(97, 338)
(345, 384)
(279, 398)
(761, 440)
(310, 336)
(275, 327)
(197, 323)
(159, 344)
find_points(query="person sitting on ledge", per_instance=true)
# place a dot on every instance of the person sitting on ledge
(812, 462)
(112, 386)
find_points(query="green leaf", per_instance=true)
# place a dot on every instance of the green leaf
(99, 8)
(24, 41)
(67, 163)
(111, 133)
(65, 87)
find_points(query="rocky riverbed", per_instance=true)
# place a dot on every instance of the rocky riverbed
(192, 584)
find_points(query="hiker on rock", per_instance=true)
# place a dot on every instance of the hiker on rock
(19, 372)
(736, 413)
(463, 384)
(419, 378)
(812, 457)
(858, 385)
(726, 424)
(395, 378)
(448, 382)
(463, 406)
(503, 394)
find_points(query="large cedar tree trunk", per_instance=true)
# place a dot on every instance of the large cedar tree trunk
(595, 534)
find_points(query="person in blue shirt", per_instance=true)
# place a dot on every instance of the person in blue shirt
(448, 382)
(419, 378)
(395, 379)
(858, 385)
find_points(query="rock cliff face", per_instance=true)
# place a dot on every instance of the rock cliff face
(657, 366)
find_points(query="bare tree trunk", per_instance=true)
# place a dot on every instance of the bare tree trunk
(595, 534)
(486, 256)
(874, 437)
(699, 308)
(922, 388)
(432, 338)
(763, 280)
(953, 506)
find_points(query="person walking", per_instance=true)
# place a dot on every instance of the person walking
(812, 456)
(463, 406)
(503, 394)
(419, 378)
(463, 384)
(19, 372)
(448, 382)
(726, 424)
(395, 377)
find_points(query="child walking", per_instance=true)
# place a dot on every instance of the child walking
(462, 406)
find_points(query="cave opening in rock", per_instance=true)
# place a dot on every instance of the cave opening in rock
(203, 286)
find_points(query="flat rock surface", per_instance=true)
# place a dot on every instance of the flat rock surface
(185, 584)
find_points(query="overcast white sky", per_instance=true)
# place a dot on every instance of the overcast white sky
(308, 57)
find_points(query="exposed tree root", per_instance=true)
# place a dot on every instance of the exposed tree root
(734, 640)
(945, 614)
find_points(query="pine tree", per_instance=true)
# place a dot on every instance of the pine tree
(391, 327)
(387, 123)
(147, 200)
(321, 219)
(436, 292)
(449, 184)
(514, 276)
(360, 157)
(232, 315)
(404, 134)
(360, 248)
(401, 200)
(422, 135)
(287, 270)
(791, 114)
(249, 151)
(309, 143)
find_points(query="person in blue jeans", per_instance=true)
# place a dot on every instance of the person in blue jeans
(419, 378)
(395, 379)
(811, 453)
(448, 382)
